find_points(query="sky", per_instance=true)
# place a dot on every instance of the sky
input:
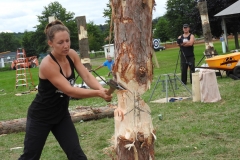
(21, 15)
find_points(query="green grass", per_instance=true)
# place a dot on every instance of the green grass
(189, 130)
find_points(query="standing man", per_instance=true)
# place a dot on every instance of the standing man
(186, 42)
(108, 63)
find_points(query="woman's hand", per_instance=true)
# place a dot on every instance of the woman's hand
(104, 95)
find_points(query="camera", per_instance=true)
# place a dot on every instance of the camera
(179, 41)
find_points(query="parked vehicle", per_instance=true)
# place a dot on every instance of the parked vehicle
(160, 48)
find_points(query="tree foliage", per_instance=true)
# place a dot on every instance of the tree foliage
(107, 13)
(55, 9)
(178, 14)
(95, 37)
(167, 27)
(214, 7)
(35, 43)
(9, 42)
(28, 41)
(154, 22)
(161, 29)
(186, 11)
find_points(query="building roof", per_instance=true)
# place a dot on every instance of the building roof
(233, 9)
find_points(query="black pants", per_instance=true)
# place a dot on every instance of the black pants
(65, 133)
(187, 62)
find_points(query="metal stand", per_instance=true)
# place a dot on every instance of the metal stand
(168, 83)
(172, 81)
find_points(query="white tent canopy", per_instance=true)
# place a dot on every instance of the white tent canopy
(233, 9)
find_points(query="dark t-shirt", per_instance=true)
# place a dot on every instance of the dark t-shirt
(50, 104)
(187, 51)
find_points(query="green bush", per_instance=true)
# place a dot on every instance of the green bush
(6, 68)
(97, 54)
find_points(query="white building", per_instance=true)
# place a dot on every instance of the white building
(109, 50)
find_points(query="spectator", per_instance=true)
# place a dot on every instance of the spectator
(108, 63)
(186, 42)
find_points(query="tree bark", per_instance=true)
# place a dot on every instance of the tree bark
(236, 40)
(133, 68)
(83, 41)
(81, 113)
(203, 10)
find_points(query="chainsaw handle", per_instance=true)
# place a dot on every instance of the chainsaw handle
(110, 91)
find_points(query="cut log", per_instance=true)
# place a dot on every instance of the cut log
(12, 126)
(134, 135)
(81, 113)
(83, 41)
(89, 113)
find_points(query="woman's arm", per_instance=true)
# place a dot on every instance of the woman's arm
(87, 77)
(50, 70)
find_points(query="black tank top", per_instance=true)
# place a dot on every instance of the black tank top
(50, 104)
(188, 51)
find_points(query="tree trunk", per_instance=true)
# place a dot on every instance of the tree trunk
(133, 68)
(203, 10)
(236, 40)
(225, 34)
(83, 41)
(81, 113)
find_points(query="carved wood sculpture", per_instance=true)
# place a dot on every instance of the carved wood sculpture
(203, 10)
(133, 68)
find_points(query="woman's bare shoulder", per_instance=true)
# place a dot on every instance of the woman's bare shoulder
(71, 51)
(47, 62)
(47, 68)
(73, 54)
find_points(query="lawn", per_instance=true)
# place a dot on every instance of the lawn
(189, 130)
